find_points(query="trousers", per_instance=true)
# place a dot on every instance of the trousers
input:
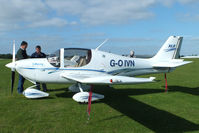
(43, 86)
(20, 84)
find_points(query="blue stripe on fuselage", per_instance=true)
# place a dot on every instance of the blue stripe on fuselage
(66, 69)
(94, 70)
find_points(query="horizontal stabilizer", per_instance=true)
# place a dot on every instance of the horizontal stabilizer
(106, 79)
(190, 57)
(171, 63)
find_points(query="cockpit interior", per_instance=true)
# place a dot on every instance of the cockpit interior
(73, 57)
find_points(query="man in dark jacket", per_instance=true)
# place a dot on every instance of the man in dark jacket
(21, 54)
(39, 54)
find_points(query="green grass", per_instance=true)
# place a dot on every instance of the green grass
(125, 109)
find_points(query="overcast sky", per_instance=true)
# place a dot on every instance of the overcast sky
(139, 25)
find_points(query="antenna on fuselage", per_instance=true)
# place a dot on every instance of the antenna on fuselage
(101, 44)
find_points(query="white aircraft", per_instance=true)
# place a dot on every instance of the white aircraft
(84, 67)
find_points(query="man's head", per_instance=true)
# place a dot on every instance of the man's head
(24, 45)
(38, 49)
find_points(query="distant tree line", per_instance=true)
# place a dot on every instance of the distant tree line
(9, 56)
(6, 56)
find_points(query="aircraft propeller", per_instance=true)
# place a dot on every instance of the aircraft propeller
(12, 66)
(13, 69)
(12, 81)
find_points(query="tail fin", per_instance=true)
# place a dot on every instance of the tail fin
(170, 49)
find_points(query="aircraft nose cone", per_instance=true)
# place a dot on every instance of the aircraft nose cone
(10, 65)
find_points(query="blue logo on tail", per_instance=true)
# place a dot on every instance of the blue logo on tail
(171, 47)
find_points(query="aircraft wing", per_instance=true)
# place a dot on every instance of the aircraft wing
(171, 63)
(106, 79)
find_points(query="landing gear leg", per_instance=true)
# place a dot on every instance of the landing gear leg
(80, 87)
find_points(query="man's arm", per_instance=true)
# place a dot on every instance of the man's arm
(44, 55)
(25, 56)
(19, 55)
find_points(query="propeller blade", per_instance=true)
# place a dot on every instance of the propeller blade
(12, 81)
(13, 52)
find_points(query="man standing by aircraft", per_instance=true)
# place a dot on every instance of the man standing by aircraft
(21, 54)
(39, 54)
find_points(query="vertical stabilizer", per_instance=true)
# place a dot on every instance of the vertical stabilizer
(170, 49)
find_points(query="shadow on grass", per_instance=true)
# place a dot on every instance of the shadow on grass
(42, 98)
(66, 93)
(149, 116)
(193, 91)
(61, 89)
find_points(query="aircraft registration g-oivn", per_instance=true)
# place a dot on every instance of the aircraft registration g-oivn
(84, 67)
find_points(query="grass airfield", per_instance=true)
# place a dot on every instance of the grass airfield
(143, 108)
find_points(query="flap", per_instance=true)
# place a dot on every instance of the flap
(106, 79)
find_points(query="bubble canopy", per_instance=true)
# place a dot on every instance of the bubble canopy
(73, 57)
